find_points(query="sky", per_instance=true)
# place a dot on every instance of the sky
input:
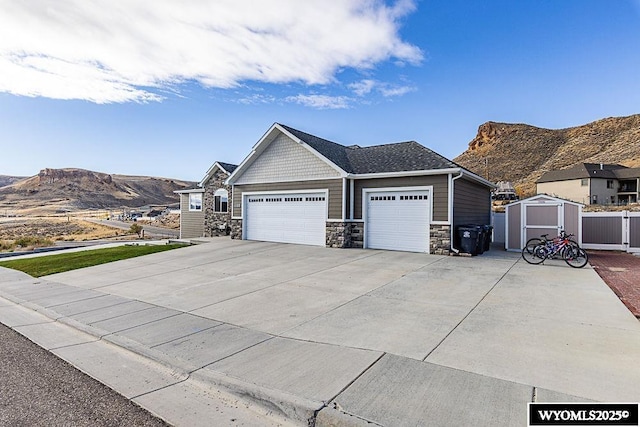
(166, 88)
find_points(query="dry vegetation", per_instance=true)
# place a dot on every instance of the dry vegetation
(29, 232)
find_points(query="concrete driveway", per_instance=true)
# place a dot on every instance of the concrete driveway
(338, 336)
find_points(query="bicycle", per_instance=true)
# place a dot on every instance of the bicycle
(572, 254)
(542, 240)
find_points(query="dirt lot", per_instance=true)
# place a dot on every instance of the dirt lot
(25, 232)
(621, 271)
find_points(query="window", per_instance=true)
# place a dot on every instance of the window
(584, 182)
(594, 200)
(221, 200)
(609, 183)
(195, 201)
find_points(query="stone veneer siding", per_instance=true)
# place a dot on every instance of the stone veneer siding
(345, 235)
(351, 235)
(439, 239)
(236, 229)
(216, 223)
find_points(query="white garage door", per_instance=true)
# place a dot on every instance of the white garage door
(287, 218)
(398, 220)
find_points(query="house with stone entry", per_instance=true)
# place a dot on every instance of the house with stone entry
(294, 187)
(205, 210)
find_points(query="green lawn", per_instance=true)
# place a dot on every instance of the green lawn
(51, 264)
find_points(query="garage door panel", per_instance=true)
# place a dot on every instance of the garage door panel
(287, 218)
(398, 220)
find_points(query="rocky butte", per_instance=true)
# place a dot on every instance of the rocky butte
(521, 153)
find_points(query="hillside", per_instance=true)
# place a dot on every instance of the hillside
(75, 189)
(8, 180)
(521, 153)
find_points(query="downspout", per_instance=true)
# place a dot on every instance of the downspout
(457, 251)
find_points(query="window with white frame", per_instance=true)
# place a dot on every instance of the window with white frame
(584, 182)
(221, 200)
(195, 201)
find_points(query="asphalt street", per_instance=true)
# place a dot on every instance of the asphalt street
(39, 389)
(149, 230)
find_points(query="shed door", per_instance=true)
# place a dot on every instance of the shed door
(287, 218)
(398, 220)
(542, 219)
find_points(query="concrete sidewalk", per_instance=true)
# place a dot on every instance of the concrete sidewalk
(335, 337)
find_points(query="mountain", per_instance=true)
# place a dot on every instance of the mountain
(521, 153)
(74, 189)
(8, 180)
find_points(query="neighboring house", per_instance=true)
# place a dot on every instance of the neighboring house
(593, 184)
(297, 188)
(205, 210)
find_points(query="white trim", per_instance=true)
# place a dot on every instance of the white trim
(352, 195)
(450, 213)
(201, 203)
(440, 222)
(209, 173)
(366, 191)
(334, 178)
(335, 220)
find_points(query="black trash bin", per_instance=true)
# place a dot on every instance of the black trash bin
(488, 231)
(469, 237)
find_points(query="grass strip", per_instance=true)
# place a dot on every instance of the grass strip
(59, 263)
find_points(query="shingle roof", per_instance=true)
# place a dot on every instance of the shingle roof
(397, 157)
(582, 170)
(625, 173)
(228, 167)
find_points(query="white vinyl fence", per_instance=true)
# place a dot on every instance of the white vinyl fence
(611, 230)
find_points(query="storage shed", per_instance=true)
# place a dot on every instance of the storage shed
(539, 215)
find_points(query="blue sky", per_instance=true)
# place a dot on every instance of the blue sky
(166, 88)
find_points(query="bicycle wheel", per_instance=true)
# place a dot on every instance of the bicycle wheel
(575, 257)
(572, 245)
(532, 243)
(534, 255)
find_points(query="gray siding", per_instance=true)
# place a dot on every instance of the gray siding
(542, 215)
(191, 223)
(515, 227)
(440, 193)
(571, 219)
(602, 230)
(471, 203)
(634, 232)
(333, 185)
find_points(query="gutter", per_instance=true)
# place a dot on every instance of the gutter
(457, 251)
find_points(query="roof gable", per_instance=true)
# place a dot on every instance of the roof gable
(227, 168)
(286, 160)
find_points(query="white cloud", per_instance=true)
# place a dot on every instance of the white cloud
(363, 87)
(366, 86)
(322, 102)
(131, 50)
(390, 90)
